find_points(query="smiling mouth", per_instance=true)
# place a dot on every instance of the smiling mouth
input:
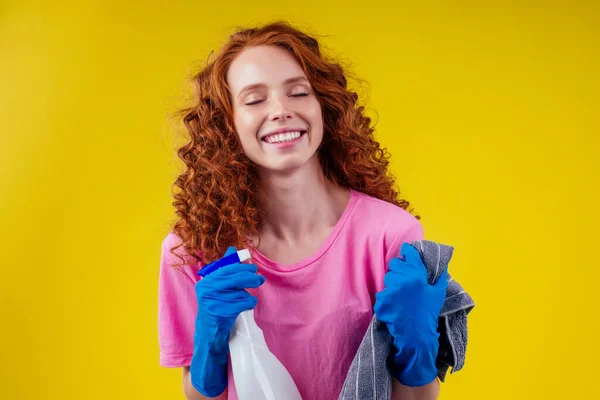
(283, 137)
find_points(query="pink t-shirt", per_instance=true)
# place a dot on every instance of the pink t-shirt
(314, 313)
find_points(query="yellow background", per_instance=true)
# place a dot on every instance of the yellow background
(490, 110)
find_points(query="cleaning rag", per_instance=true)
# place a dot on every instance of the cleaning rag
(369, 376)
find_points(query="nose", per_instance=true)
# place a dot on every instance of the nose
(279, 110)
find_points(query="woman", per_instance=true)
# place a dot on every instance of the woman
(282, 161)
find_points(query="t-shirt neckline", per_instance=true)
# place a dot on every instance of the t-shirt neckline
(263, 260)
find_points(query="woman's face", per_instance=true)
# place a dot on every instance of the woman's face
(275, 111)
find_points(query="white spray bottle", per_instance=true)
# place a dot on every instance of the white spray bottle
(257, 373)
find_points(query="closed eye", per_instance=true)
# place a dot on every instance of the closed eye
(254, 102)
(291, 95)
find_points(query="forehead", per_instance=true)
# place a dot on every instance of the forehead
(270, 65)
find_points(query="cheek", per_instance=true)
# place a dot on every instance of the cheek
(316, 117)
(246, 126)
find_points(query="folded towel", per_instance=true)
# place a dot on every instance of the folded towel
(369, 376)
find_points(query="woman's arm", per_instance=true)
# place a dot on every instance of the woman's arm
(431, 391)
(191, 393)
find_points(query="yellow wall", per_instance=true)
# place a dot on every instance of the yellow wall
(488, 110)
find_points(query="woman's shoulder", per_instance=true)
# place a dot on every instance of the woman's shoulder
(379, 213)
(384, 225)
(173, 241)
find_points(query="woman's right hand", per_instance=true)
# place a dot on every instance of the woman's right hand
(221, 297)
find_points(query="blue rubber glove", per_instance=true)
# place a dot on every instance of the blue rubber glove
(221, 298)
(410, 308)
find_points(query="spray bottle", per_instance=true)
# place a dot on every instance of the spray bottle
(257, 373)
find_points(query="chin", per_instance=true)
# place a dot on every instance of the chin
(287, 165)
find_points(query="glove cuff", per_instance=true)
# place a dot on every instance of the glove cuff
(416, 365)
(208, 368)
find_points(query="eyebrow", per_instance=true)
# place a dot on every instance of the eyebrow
(258, 85)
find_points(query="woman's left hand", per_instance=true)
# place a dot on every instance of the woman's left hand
(410, 307)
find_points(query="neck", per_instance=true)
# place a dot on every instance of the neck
(300, 202)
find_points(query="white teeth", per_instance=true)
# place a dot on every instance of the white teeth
(283, 137)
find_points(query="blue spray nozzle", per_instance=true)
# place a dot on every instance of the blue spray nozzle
(233, 258)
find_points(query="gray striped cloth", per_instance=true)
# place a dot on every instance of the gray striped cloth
(370, 377)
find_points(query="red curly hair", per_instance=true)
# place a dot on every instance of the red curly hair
(214, 197)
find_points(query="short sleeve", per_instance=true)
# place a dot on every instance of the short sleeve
(177, 308)
(412, 233)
